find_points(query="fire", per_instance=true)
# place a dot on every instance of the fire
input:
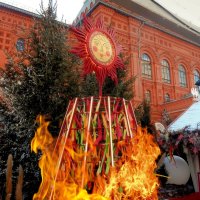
(79, 166)
(133, 177)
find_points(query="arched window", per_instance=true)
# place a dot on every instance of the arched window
(148, 96)
(167, 97)
(165, 71)
(146, 66)
(182, 76)
(196, 76)
(20, 44)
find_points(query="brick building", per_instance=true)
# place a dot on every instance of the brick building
(14, 24)
(164, 50)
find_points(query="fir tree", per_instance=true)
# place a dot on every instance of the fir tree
(143, 116)
(124, 87)
(39, 80)
(166, 120)
(51, 76)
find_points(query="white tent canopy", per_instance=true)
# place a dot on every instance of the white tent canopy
(191, 118)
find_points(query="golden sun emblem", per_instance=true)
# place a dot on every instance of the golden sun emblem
(101, 48)
(98, 49)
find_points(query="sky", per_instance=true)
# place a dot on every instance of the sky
(67, 10)
(186, 9)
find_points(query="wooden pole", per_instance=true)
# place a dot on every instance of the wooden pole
(87, 141)
(63, 147)
(110, 132)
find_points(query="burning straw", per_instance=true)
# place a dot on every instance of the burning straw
(81, 165)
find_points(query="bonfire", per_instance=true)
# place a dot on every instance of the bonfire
(101, 153)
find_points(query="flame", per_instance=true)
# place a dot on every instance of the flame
(62, 168)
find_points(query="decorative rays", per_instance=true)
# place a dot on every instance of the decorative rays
(97, 47)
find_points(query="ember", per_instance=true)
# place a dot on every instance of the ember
(100, 154)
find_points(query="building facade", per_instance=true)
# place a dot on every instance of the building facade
(14, 25)
(163, 50)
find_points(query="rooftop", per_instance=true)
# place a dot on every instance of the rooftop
(152, 14)
(25, 12)
(19, 10)
(189, 118)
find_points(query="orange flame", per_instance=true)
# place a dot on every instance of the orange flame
(132, 177)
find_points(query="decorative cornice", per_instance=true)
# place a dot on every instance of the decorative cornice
(181, 31)
(19, 10)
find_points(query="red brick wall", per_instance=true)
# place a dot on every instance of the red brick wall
(175, 108)
(13, 25)
(138, 38)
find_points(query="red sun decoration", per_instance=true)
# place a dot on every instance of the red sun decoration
(98, 49)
